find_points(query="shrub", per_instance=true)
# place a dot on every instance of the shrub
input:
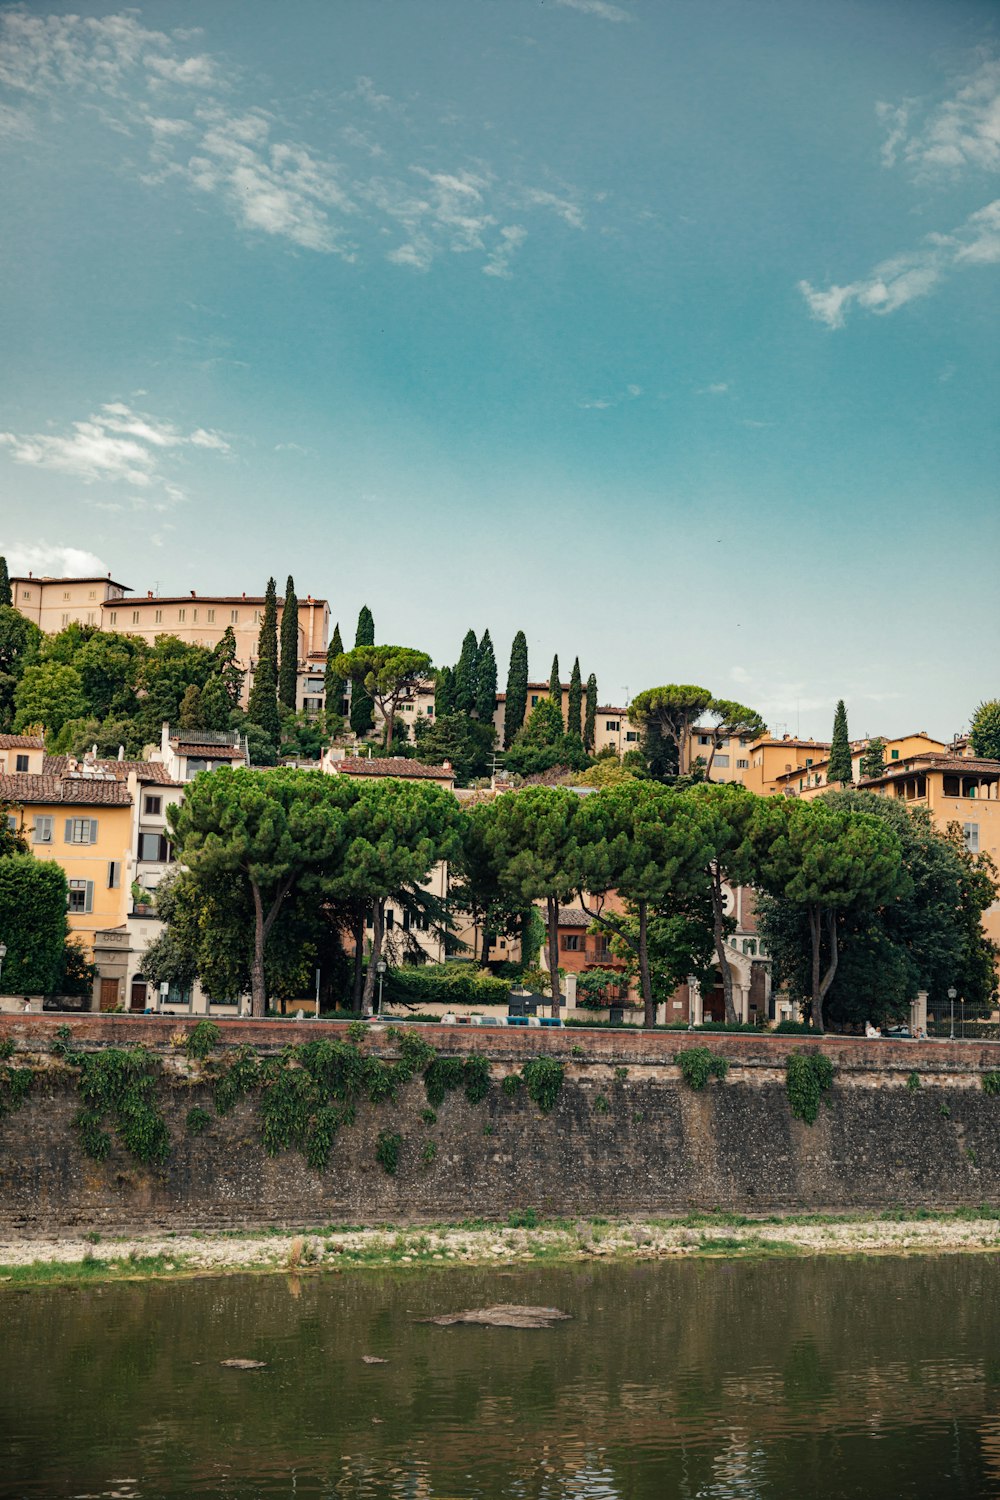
(698, 1065)
(203, 1036)
(428, 1151)
(512, 1085)
(990, 1083)
(459, 986)
(808, 1075)
(913, 1081)
(543, 1078)
(387, 1151)
(198, 1119)
(523, 1218)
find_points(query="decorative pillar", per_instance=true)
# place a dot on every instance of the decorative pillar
(918, 1013)
(695, 1008)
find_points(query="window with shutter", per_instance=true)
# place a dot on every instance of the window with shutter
(89, 903)
(92, 832)
(41, 833)
(114, 874)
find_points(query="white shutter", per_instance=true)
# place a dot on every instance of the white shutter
(88, 904)
(69, 830)
(93, 831)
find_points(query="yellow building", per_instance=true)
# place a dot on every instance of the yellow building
(772, 759)
(809, 778)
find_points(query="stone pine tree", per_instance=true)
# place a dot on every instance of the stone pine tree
(574, 721)
(516, 700)
(555, 685)
(873, 759)
(289, 668)
(839, 768)
(334, 685)
(6, 597)
(486, 680)
(466, 672)
(590, 718)
(262, 708)
(362, 707)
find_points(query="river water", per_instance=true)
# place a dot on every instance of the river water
(708, 1378)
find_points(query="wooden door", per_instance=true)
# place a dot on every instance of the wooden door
(109, 994)
(137, 999)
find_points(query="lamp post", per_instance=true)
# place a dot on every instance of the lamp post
(380, 971)
(3, 955)
(952, 992)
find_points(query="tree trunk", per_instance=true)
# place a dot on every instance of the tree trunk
(815, 933)
(648, 1004)
(378, 925)
(258, 990)
(359, 956)
(830, 918)
(389, 726)
(552, 907)
(485, 957)
(719, 932)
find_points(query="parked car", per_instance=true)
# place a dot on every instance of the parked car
(898, 1033)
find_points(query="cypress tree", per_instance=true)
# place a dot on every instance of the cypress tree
(466, 674)
(6, 597)
(444, 693)
(590, 721)
(334, 686)
(227, 670)
(516, 701)
(486, 680)
(190, 715)
(263, 706)
(215, 707)
(873, 760)
(289, 669)
(362, 708)
(555, 685)
(574, 724)
(839, 768)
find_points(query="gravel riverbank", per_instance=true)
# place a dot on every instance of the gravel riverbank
(337, 1248)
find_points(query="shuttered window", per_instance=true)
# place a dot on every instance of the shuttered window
(114, 874)
(41, 831)
(81, 830)
(81, 895)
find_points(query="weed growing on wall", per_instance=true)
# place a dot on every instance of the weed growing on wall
(990, 1083)
(808, 1075)
(512, 1085)
(543, 1078)
(121, 1082)
(387, 1151)
(698, 1065)
(913, 1081)
(202, 1037)
(15, 1083)
(198, 1119)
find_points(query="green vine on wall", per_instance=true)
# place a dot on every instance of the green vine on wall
(990, 1083)
(121, 1082)
(15, 1083)
(808, 1076)
(698, 1065)
(543, 1078)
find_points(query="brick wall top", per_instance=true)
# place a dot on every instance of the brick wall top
(515, 1044)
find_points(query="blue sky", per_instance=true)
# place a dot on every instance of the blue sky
(666, 330)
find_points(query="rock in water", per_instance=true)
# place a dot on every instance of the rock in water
(373, 1359)
(243, 1364)
(504, 1315)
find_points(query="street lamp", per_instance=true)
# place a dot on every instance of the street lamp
(952, 992)
(3, 955)
(380, 971)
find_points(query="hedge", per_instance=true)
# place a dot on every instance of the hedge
(459, 986)
(33, 924)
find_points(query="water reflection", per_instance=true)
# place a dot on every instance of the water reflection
(697, 1379)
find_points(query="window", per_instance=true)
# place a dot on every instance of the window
(571, 942)
(611, 725)
(65, 621)
(153, 848)
(809, 760)
(41, 830)
(407, 708)
(742, 765)
(81, 895)
(195, 765)
(631, 735)
(90, 617)
(135, 617)
(20, 763)
(65, 595)
(534, 700)
(893, 754)
(703, 739)
(114, 617)
(181, 616)
(194, 617)
(430, 709)
(406, 921)
(602, 947)
(256, 616)
(92, 594)
(722, 761)
(114, 874)
(81, 831)
(153, 806)
(234, 617)
(314, 685)
(211, 616)
(390, 919)
(12, 822)
(970, 833)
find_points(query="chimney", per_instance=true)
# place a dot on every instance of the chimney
(193, 594)
(149, 593)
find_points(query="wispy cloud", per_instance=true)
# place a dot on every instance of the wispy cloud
(604, 9)
(52, 560)
(605, 403)
(269, 179)
(719, 388)
(114, 444)
(914, 273)
(934, 140)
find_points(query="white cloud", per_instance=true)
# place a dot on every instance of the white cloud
(150, 84)
(602, 8)
(956, 133)
(904, 278)
(47, 559)
(114, 444)
(719, 388)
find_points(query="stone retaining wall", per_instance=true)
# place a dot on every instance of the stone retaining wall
(645, 1143)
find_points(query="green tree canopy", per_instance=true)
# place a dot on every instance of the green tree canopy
(33, 897)
(670, 713)
(467, 744)
(873, 759)
(530, 838)
(590, 718)
(226, 667)
(824, 859)
(444, 693)
(984, 735)
(516, 697)
(288, 671)
(20, 640)
(467, 674)
(49, 694)
(840, 769)
(362, 717)
(486, 680)
(386, 674)
(574, 716)
(6, 596)
(262, 709)
(726, 719)
(555, 685)
(542, 743)
(727, 813)
(334, 685)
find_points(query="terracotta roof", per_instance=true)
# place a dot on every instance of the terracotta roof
(21, 742)
(145, 770)
(573, 916)
(961, 765)
(44, 578)
(158, 599)
(30, 790)
(392, 765)
(209, 752)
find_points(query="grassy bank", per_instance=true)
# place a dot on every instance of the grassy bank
(524, 1239)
